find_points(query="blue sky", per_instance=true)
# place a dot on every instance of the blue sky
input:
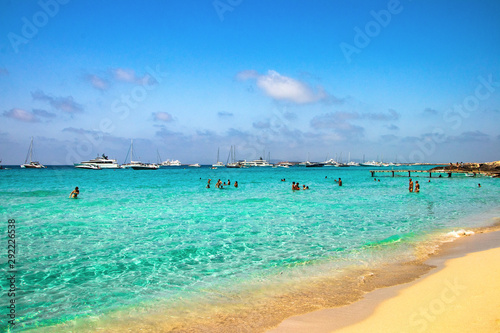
(414, 80)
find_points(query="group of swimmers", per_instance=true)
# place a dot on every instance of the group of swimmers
(296, 186)
(221, 185)
(417, 186)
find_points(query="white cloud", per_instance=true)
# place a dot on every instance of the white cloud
(21, 115)
(97, 82)
(284, 88)
(129, 75)
(162, 116)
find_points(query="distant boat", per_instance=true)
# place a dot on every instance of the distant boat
(32, 164)
(371, 164)
(219, 164)
(257, 163)
(284, 164)
(329, 163)
(351, 163)
(196, 165)
(103, 162)
(232, 155)
(171, 163)
(313, 165)
(233, 165)
(137, 165)
(145, 166)
(87, 166)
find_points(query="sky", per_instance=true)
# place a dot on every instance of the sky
(406, 81)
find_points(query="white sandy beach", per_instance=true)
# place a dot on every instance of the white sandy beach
(462, 296)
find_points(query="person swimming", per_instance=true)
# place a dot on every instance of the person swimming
(236, 184)
(74, 193)
(417, 187)
(340, 182)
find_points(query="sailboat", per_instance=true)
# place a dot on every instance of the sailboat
(219, 163)
(32, 164)
(232, 155)
(137, 165)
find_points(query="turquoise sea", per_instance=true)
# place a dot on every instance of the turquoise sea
(139, 244)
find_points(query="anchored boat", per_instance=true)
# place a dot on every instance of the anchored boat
(32, 164)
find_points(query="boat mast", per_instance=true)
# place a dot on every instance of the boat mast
(31, 150)
(30, 153)
(158, 157)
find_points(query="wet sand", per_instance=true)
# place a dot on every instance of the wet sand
(461, 295)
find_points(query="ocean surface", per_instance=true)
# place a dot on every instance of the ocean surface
(137, 245)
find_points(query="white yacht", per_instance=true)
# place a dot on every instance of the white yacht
(171, 163)
(103, 162)
(32, 164)
(196, 165)
(145, 166)
(283, 164)
(371, 164)
(234, 165)
(257, 163)
(87, 166)
(330, 163)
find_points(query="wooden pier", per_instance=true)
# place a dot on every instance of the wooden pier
(430, 172)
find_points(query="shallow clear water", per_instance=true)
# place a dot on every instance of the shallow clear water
(137, 237)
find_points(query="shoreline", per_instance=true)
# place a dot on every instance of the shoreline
(288, 308)
(398, 308)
